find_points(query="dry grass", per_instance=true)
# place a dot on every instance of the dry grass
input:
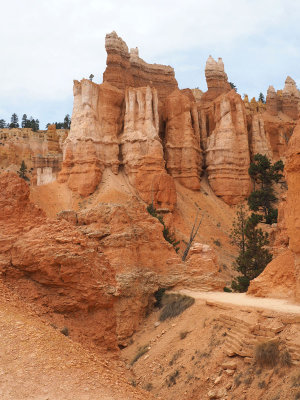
(267, 354)
(174, 305)
(285, 359)
(171, 380)
(183, 334)
(141, 351)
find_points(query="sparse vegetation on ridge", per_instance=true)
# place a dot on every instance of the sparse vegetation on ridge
(141, 351)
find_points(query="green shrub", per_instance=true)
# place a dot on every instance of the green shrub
(217, 243)
(169, 237)
(174, 305)
(226, 289)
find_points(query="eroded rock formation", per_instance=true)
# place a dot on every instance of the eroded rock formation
(216, 79)
(41, 151)
(51, 263)
(142, 151)
(183, 152)
(127, 69)
(133, 242)
(225, 137)
(92, 143)
(281, 278)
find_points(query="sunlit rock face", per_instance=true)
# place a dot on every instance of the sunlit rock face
(92, 144)
(126, 69)
(281, 278)
(50, 263)
(224, 135)
(216, 79)
(182, 140)
(142, 150)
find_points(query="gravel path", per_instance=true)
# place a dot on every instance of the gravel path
(242, 299)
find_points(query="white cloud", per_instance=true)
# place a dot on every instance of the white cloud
(45, 44)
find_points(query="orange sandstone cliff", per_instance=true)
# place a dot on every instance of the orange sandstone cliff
(281, 276)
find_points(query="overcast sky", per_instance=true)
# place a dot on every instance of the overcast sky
(45, 44)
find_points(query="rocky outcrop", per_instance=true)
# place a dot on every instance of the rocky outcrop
(225, 137)
(182, 140)
(52, 264)
(41, 151)
(291, 99)
(277, 280)
(144, 261)
(92, 144)
(292, 212)
(216, 79)
(259, 140)
(142, 150)
(282, 276)
(272, 101)
(126, 69)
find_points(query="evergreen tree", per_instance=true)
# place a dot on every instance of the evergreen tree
(237, 234)
(67, 122)
(233, 86)
(253, 257)
(24, 121)
(264, 174)
(14, 121)
(2, 124)
(261, 98)
(23, 171)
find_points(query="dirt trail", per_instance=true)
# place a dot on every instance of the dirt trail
(244, 300)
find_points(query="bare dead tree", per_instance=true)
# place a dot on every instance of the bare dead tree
(193, 234)
(286, 136)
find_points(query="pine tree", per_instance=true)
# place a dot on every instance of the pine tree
(2, 124)
(67, 122)
(23, 171)
(253, 256)
(264, 174)
(233, 86)
(261, 98)
(14, 122)
(237, 234)
(24, 121)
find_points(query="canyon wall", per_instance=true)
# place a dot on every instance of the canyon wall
(41, 151)
(281, 278)
(92, 144)
(52, 264)
(139, 123)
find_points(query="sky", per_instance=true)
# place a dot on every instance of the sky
(45, 44)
